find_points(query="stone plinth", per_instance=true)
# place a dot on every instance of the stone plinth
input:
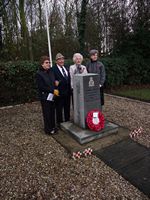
(84, 135)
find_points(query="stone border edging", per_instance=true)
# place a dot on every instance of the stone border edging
(125, 98)
(115, 96)
(17, 105)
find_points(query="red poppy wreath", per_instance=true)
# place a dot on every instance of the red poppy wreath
(95, 120)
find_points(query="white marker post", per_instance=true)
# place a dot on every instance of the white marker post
(48, 34)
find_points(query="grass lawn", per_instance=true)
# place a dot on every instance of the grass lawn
(139, 93)
(135, 92)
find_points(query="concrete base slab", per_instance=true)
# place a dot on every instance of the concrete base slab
(71, 145)
(84, 136)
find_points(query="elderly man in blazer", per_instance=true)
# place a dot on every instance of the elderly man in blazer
(62, 78)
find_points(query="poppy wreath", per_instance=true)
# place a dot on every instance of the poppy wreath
(95, 120)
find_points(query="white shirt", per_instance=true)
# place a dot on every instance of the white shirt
(60, 69)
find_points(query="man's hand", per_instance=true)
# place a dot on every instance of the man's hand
(56, 92)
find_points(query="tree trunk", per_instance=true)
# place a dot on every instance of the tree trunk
(24, 30)
(82, 24)
(40, 14)
(1, 36)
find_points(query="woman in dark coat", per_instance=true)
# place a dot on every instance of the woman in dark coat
(46, 88)
(95, 66)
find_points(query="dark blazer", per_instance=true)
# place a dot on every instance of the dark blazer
(45, 82)
(64, 86)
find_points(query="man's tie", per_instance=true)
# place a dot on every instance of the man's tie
(64, 73)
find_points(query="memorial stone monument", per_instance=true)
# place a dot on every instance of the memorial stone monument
(86, 95)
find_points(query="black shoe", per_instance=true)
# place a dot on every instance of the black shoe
(53, 132)
(47, 133)
(56, 129)
(58, 126)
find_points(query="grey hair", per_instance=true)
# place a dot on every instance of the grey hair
(77, 55)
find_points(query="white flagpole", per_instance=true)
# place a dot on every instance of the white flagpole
(48, 34)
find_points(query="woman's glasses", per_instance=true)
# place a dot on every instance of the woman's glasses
(47, 62)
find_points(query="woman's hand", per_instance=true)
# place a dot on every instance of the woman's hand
(56, 92)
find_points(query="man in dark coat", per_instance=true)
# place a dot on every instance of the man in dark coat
(62, 78)
(46, 88)
(95, 66)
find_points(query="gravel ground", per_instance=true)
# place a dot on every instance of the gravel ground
(129, 113)
(35, 166)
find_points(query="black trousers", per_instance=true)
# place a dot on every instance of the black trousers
(48, 109)
(102, 95)
(62, 104)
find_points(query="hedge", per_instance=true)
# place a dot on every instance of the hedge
(18, 78)
(17, 82)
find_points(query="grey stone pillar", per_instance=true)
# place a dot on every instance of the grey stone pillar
(86, 94)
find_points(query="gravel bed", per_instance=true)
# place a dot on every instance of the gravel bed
(129, 113)
(34, 166)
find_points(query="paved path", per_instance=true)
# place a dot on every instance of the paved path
(131, 160)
